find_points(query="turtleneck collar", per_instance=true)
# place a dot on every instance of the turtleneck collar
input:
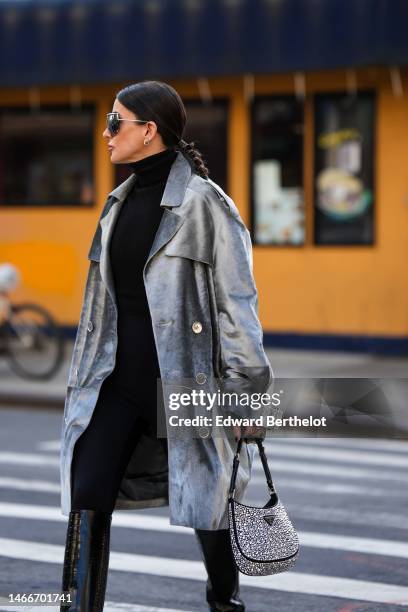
(153, 168)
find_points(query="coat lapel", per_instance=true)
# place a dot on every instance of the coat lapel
(170, 223)
(107, 224)
(173, 196)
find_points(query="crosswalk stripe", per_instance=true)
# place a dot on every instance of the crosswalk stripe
(370, 444)
(298, 467)
(333, 488)
(46, 486)
(24, 484)
(49, 445)
(294, 582)
(372, 546)
(348, 515)
(323, 469)
(33, 459)
(109, 606)
(342, 455)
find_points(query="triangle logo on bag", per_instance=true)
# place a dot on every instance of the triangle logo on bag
(269, 518)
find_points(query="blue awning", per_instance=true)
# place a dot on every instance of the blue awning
(60, 41)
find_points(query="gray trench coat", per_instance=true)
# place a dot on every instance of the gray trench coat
(203, 304)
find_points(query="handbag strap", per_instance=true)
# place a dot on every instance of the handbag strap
(264, 465)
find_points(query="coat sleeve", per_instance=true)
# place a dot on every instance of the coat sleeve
(245, 368)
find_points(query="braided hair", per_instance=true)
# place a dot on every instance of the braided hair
(188, 149)
(161, 103)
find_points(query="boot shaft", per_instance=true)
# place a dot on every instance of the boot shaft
(86, 560)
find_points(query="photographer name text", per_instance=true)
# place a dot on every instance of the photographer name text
(261, 421)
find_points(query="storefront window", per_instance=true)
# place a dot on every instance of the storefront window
(277, 171)
(344, 157)
(46, 156)
(207, 128)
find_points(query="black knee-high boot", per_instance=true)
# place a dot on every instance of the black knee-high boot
(222, 589)
(86, 560)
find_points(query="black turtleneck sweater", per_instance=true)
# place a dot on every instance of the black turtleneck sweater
(135, 229)
(136, 367)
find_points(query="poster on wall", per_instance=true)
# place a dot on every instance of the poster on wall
(343, 170)
(280, 211)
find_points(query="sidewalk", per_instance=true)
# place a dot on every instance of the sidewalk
(286, 363)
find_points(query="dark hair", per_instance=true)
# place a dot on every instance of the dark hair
(159, 102)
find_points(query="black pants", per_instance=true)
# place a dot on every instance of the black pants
(104, 449)
(126, 408)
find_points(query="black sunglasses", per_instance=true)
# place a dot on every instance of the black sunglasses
(113, 122)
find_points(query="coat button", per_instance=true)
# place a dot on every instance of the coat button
(197, 327)
(204, 432)
(90, 326)
(201, 378)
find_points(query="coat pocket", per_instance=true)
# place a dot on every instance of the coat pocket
(215, 327)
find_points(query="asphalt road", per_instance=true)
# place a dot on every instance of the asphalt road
(347, 499)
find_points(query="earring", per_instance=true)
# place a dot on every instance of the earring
(146, 142)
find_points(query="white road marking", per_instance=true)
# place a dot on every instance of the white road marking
(49, 445)
(291, 581)
(341, 455)
(24, 484)
(331, 488)
(324, 469)
(109, 606)
(370, 444)
(347, 515)
(33, 459)
(123, 518)
(297, 467)
(334, 488)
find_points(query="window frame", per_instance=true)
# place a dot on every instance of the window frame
(63, 107)
(251, 181)
(372, 93)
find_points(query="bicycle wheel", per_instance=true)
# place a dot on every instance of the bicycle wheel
(35, 345)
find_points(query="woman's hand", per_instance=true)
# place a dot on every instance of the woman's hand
(248, 433)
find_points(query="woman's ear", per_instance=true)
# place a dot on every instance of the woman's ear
(151, 130)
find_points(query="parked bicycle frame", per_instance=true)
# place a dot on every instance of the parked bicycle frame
(30, 339)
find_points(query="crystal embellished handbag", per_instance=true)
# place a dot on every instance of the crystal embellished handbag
(263, 540)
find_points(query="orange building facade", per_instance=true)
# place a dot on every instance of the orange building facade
(312, 293)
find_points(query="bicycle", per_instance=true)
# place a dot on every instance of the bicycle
(30, 338)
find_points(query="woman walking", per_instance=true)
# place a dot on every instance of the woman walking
(169, 296)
